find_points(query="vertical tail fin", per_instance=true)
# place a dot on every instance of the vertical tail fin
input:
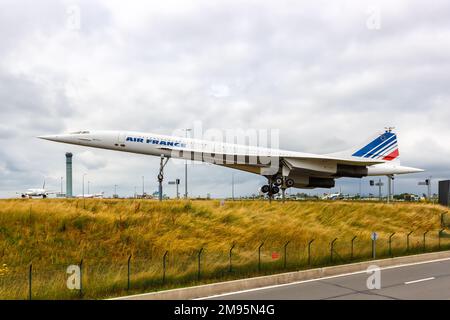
(383, 147)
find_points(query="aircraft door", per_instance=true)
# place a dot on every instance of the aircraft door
(121, 139)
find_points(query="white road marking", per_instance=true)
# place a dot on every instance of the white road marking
(420, 280)
(287, 284)
(318, 279)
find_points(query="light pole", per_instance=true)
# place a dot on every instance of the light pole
(360, 189)
(429, 188)
(427, 183)
(143, 187)
(390, 179)
(84, 198)
(380, 184)
(176, 182)
(115, 190)
(135, 192)
(232, 186)
(61, 186)
(185, 167)
(84, 174)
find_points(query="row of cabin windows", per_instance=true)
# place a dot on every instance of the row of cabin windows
(205, 145)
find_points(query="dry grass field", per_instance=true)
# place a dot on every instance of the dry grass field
(53, 234)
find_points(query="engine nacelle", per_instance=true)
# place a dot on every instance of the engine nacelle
(312, 182)
(321, 183)
(344, 170)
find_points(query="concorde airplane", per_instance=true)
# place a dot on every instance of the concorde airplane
(283, 169)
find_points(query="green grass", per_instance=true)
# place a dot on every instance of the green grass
(52, 234)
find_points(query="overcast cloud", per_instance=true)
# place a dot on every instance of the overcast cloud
(327, 74)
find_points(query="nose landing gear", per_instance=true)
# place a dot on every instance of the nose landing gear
(161, 176)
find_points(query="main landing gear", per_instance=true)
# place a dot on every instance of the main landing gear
(275, 184)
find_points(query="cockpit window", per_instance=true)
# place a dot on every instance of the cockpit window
(80, 132)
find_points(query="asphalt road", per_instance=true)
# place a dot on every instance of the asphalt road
(419, 281)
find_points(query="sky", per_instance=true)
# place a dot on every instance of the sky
(327, 74)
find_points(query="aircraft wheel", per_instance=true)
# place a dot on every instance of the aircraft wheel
(278, 181)
(44, 196)
(290, 183)
(265, 188)
(275, 190)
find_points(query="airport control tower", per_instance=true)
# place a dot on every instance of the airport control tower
(69, 175)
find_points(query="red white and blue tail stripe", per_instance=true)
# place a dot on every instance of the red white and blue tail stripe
(384, 147)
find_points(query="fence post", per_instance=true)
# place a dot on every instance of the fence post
(164, 266)
(259, 256)
(332, 249)
(81, 278)
(285, 253)
(199, 263)
(230, 268)
(424, 235)
(439, 238)
(128, 278)
(30, 277)
(351, 254)
(390, 243)
(309, 251)
(407, 240)
(442, 220)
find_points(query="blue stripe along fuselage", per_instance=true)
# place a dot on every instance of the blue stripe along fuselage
(374, 144)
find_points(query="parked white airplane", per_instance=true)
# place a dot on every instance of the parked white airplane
(333, 196)
(95, 195)
(282, 168)
(40, 192)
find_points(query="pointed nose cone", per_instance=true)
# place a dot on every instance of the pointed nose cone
(52, 137)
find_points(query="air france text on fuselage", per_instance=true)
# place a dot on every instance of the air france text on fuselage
(157, 141)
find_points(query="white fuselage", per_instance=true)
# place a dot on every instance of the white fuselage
(201, 150)
(34, 193)
(91, 196)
